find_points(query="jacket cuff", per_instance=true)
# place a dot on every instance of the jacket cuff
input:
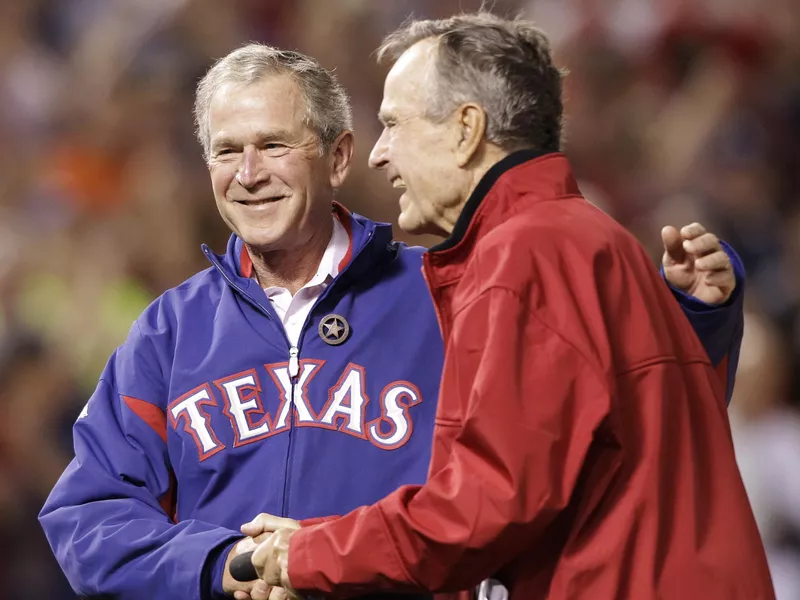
(214, 570)
(302, 581)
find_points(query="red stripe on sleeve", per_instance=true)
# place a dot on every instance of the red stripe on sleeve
(150, 414)
(169, 501)
(157, 420)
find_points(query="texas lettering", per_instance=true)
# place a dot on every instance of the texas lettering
(241, 398)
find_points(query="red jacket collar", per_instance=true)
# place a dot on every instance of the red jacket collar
(514, 182)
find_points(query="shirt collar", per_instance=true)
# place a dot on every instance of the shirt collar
(332, 259)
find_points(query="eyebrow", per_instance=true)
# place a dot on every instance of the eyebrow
(276, 135)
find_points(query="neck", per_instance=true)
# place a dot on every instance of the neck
(292, 268)
(489, 156)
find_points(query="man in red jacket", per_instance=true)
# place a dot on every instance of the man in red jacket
(582, 447)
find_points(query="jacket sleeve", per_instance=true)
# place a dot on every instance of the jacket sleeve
(109, 519)
(530, 404)
(719, 327)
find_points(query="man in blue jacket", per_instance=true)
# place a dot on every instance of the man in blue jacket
(297, 375)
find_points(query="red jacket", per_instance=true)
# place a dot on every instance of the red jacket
(582, 446)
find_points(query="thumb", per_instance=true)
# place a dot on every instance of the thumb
(264, 522)
(673, 246)
(257, 526)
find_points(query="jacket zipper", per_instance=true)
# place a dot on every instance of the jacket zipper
(294, 372)
(294, 364)
(294, 369)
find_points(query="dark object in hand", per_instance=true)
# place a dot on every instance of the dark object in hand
(242, 568)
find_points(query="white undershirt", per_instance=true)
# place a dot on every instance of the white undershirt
(293, 310)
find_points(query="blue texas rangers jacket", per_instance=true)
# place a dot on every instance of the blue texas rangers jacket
(206, 416)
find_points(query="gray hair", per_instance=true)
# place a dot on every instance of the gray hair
(328, 111)
(504, 65)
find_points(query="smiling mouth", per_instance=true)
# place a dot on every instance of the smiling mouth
(259, 202)
(398, 183)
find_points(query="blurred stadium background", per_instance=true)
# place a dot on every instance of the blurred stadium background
(677, 111)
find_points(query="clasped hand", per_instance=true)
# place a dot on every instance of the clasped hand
(268, 539)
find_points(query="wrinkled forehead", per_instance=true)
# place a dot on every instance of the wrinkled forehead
(272, 100)
(279, 88)
(409, 81)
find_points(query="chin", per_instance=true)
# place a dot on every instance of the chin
(413, 229)
(418, 226)
(411, 223)
(261, 240)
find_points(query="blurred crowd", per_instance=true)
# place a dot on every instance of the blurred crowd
(677, 110)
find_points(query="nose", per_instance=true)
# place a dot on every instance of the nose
(250, 172)
(379, 157)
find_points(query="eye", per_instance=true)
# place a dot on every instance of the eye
(387, 121)
(273, 146)
(224, 151)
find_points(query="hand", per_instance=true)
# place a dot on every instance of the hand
(271, 560)
(695, 263)
(258, 530)
(240, 590)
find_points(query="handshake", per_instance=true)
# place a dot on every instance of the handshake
(257, 567)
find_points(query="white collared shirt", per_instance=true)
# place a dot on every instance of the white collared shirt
(293, 310)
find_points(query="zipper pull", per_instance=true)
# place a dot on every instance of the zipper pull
(294, 364)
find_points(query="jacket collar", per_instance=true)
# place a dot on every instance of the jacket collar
(367, 238)
(512, 183)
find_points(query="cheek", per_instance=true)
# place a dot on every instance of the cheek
(221, 179)
(427, 159)
(292, 174)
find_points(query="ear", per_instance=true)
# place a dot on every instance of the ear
(341, 155)
(472, 123)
